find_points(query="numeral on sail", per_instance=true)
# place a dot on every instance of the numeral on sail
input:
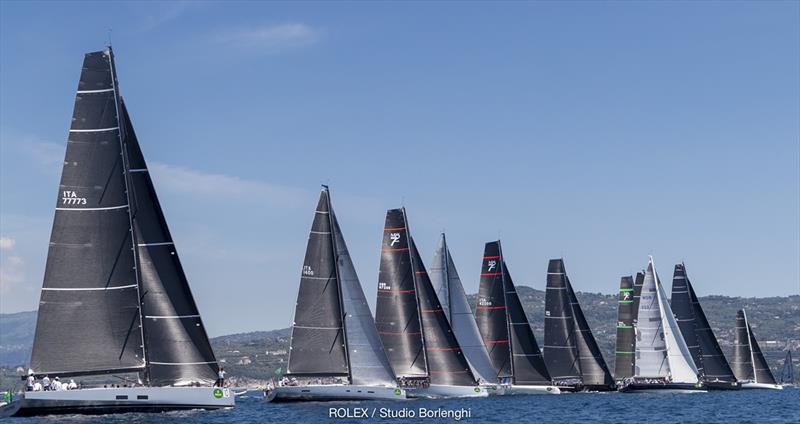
(69, 197)
(307, 271)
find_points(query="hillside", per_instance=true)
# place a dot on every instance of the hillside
(254, 357)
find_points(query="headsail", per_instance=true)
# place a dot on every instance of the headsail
(742, 356)
(447, 364)
(594, 371)
(681, 304)
(396, 316)
(528, 366)
(681, 364)
(560, 347)
(626, 333)
(178, 350)
(317, 345)
(454, 301)
(708, 357)
(491, 313)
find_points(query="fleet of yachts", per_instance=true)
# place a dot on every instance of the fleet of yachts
(115, 300)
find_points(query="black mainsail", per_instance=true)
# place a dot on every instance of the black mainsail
(626, 332)
(696, 330)
(317, 345)
(491, 314)
(749, 363)
(504, 326)
(114, 298)
(560, 347)
(787, 372)
(396, 314)
(594, 371)
(316, 351)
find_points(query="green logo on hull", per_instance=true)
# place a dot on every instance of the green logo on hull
(218, 393)
(397, 392)
(477, 389)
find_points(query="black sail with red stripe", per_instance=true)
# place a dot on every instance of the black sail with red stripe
(528, 365)
(447, 364)
(491, 310)
(396, 315)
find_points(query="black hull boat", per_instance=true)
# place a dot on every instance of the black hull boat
(645, 387)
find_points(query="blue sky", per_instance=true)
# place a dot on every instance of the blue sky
(597, 132)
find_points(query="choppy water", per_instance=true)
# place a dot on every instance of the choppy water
(752, 406)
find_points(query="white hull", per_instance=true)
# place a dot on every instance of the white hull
(333, 392)
(438, 392)
(761, 386)
(513, 390)
(118, 400)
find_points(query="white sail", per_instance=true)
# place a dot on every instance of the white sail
(454, 301)
(681, 365)
(651, 349)
(369, 365)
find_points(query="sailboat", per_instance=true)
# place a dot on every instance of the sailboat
(335, 352)
(420, 344)
(663, 361)
(630, 292)
(115, 299)
(749, 365)
(715, 373)
(453, 298)
(506, 331)
(570, 350)
(787, 373)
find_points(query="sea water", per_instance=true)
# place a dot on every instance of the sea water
(745, 406)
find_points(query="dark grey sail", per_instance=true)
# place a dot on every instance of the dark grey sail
(560, 347)
(594, 371)
(681, 303)
(626, 332)
(742, 356)
(787, 372)
(317, 346)
(715, 367)
(763, 374)
(367, 358)
(396, 316)
(447, 364)
(528, 365)
(178, 350)
(491, 313)
(450, 291)
(89, 320)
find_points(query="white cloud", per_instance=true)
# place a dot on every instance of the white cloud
(272, 37)
(189, 181)
(7, 243)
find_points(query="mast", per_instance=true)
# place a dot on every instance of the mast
(490, 314)
(509, 326)
(415, 276)
(761, 371)
(743, 366)
(750, 343)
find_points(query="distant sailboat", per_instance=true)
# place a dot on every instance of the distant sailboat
(787, 373)
(749, 365)
(570, 352)
(450, 292)
(333, 334)
(663, 361)
(506, 331)
(715, 373)
(115, 299)
(420, 344)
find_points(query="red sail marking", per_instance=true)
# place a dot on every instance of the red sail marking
(496, 341)
(491, 307)
(491, 274)
(395, 291)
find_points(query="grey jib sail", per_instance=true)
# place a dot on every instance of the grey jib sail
(560, 348)
(447, 365)
(317, 344)
(787, 372)
(748, 360)
(594, 371)
(450, 292)
(708, 355)
(368, 362)
(626, 333)
(396, 315)
(89, 319)
(491, 313)
(528, 366)
(177, 346)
